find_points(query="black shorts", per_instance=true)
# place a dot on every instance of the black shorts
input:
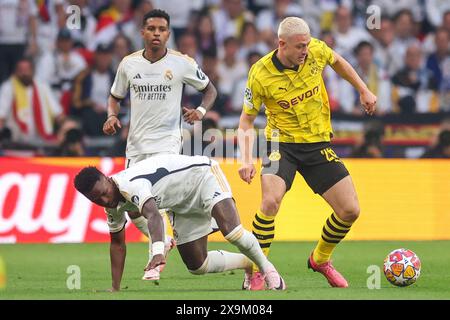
(316, 162)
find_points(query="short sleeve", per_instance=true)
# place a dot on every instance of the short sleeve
(120, 86)
(328, 55)
(253, 94)
(139, 191)
(116, 219)
(194, 76)
(135, 189)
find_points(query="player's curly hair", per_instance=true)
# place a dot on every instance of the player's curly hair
(156, 13)
(85, 179)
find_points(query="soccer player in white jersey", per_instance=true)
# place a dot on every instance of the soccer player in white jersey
(196, 190)
(155, 77)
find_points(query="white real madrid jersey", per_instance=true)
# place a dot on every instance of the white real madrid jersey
(155, 93)
(174, 181)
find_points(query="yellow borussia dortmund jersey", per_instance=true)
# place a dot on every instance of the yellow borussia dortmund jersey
(296, 101)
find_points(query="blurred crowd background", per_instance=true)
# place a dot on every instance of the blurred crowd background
(55, 79)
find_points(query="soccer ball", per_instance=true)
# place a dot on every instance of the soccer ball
(402, 267)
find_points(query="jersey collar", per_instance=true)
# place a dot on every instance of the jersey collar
(162, 57)
(280, 67)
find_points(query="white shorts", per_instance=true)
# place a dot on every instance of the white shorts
(197, 223)
(131, 161)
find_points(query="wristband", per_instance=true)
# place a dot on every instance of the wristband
(112, 115)
(158, 248)
(202, 110)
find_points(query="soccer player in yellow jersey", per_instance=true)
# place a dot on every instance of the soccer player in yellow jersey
(288, 81)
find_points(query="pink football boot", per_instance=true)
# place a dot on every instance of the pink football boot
(335, 279)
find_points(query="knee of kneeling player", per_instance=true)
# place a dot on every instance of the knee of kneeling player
(201, 270)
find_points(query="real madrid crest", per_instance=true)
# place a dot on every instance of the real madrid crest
(275, 155)
(168, 75)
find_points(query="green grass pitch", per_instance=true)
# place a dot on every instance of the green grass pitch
(39, 271)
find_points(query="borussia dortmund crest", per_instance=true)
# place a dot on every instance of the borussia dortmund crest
(275, 155)
(314, 68)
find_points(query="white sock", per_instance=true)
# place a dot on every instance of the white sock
(221, 261)
(249, 246)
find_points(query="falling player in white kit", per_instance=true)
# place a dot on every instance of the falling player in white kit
(155, 77)
(196, 190)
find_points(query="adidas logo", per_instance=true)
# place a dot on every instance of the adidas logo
(216, 194)
(138, 76)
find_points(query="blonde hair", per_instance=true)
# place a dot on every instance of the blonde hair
(293, 25)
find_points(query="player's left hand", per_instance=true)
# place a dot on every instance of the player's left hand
(368, 101)
(191, 115)
(157, 260)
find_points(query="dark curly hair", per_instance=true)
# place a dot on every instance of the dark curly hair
(156, 13)
(85, 179)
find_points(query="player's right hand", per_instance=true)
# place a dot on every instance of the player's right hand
(368, 101)
(247, 172)
(157, 260)
(109, 127)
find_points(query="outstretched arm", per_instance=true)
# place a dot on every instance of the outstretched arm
(117, 251)
(245, 141)
(346, 71)
(156, 232)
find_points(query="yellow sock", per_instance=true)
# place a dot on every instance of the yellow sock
(333, 231)
(263, 228)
